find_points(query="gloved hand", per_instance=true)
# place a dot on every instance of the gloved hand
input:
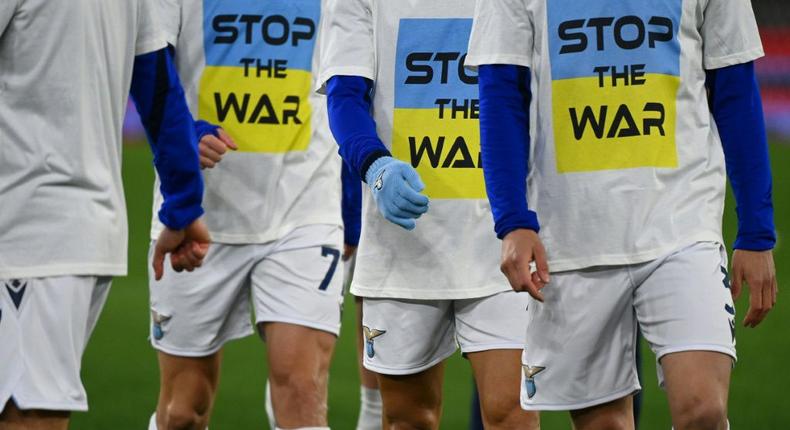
(396, 187)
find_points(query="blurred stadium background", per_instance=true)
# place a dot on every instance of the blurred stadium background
(120, 368)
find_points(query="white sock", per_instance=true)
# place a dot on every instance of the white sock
(370, 409)
(269, 407)
(152, 423)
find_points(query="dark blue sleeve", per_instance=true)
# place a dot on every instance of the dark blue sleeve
(737, 109)
(159, 98)
(504, 144)
(349, 103)
(352, 205)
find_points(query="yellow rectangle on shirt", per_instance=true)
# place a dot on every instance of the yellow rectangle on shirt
(615, 127)
(262, 114)
(444, 151)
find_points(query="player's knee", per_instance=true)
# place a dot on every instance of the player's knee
(604, 420)
(702, 414)
(413, 419)
(511, 418)
(302, 387)
(184, 417)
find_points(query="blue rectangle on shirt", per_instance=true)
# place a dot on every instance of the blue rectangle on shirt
(613, 33)
(429, 62)
(260, 29)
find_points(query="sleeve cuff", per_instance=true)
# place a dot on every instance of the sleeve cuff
(755, 244)
(528, 221)
(179, 219)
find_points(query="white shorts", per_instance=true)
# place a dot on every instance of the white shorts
(581, 341)
(404, 337)
(45, 324)
(297, 279)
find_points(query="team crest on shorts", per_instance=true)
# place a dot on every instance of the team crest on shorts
(370, 335)
(529, 378)
(158, 320)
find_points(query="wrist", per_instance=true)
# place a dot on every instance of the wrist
(376, 165)
(369, 160)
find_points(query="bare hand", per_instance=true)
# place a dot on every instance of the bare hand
(520, 248)
(348, 251)
(187, 248)
(213, 148)
(757, 269)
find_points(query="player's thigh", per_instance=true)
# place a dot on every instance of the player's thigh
(497, 375)
(491, 331)
(45, 326)
(406, 337)
(12, 418)
(617, 414)
(188, 385)
(194, 313)
(300, 280)
(697, 385)
(684, 304)
(296, 353)
(580, 343)
(413, 400)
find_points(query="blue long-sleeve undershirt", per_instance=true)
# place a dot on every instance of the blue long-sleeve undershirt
(504, 132)
(159, 98)
(737, 109)
(349, 106)
(352, 205)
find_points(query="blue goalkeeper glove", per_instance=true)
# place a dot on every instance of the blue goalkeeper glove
(396, 187)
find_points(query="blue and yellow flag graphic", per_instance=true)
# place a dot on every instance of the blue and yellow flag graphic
(615, 76)
(435, 124)
(257, 78)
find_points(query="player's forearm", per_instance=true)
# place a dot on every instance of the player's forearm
(737, 109)
(352, 205)
(504, 133)
(348, 102)
(159, 99)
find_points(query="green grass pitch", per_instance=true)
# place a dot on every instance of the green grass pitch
(121, 375)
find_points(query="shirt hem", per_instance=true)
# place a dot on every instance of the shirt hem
(410, 294)
(257, 238)
(630, 259)
(64, 270)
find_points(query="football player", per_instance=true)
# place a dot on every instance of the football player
(273, 207)
(626, 117)
(404, 110)
(66, 70)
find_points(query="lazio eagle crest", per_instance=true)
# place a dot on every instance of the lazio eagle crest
(529, 378)
(370, 335)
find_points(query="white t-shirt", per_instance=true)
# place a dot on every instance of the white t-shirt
(425, 106)
(627, 163)
(247, 66)
(65, 74)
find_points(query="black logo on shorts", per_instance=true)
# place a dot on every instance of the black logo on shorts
(16, 289)
(529, 378)
(370, 336)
